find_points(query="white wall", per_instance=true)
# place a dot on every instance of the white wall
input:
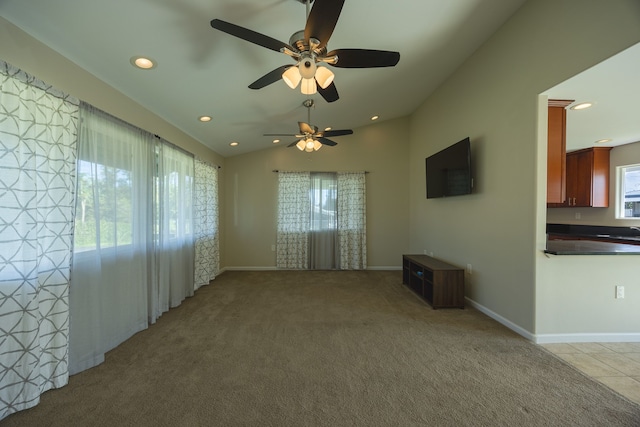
(493, 98)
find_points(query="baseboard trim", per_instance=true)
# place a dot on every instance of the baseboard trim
(556, 338)
(582, 337)
(271, 268)
(504, 321)
(536, 338)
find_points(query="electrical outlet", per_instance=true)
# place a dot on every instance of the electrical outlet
(578, 216)
(619, 292)
(469, 269)
(424, 251)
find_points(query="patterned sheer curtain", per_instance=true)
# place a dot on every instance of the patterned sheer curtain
(174, 244)
(292, 240)
(352, 224)
(207, 258)
(38, 127)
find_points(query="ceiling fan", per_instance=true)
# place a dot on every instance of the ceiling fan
(308, 48)
(310, 138)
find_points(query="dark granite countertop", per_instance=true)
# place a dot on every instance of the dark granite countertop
(590, 247)
(572, 239)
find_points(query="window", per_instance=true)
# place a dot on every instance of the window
(321, 220)
(628, 192)
(110, 189)
(323, 193)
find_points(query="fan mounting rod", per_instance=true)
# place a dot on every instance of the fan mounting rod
(308, 103)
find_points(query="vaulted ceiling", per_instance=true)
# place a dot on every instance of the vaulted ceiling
(612, 86)
(203, 71)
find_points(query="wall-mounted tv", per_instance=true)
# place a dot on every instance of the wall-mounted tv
(449, 171)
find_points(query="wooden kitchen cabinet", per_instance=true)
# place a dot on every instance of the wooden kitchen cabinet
(587, 179)
(556, 151)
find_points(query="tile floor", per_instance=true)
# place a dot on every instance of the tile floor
(617, 365)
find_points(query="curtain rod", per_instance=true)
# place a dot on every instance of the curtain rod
(276, 170)
(185, 151)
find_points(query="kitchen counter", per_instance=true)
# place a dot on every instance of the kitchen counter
(590, 247)
(571, 239)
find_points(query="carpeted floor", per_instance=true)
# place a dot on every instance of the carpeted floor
(327, 348)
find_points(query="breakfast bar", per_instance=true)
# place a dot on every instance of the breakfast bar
(591, 240)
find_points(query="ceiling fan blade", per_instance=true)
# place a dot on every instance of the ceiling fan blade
(326, 141)
(322, 20)
(280, 134)
(305, 128)
(293, 143)
(337, 132)
(330, 94)
(269, 78)
(364, 58)
(249, 35)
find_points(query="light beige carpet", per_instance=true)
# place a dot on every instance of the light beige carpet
(326, 349)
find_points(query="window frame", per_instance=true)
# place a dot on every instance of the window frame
(621, 190)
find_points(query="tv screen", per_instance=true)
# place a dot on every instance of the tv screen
(449, 171)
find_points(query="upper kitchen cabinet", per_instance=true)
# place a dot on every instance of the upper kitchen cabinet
(587, 181)
(556, 152)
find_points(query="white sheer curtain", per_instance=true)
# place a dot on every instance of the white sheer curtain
(352, 221)
(174, 272)
(133, 247)
(323, 235)
(113, 248)
(38, 127)
(293, 220)
(207, 258)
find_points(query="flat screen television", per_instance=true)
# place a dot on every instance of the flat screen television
(448, 171)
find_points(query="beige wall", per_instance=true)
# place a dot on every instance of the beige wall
(500, 230)
(493, 98)
(251, 187)
(622, 155)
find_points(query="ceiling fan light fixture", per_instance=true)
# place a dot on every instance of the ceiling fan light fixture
(307, 67)
(316, 145)
(292, 77)
(301, 145)
(308, 86)
(309, 145)
(324, 76)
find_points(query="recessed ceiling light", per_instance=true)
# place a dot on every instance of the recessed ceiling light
(275, 141)
(142, 62)
(602, 141)
(204, 118)
(327, 128)
(234, 143)
(582, 106)
(375, 118)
